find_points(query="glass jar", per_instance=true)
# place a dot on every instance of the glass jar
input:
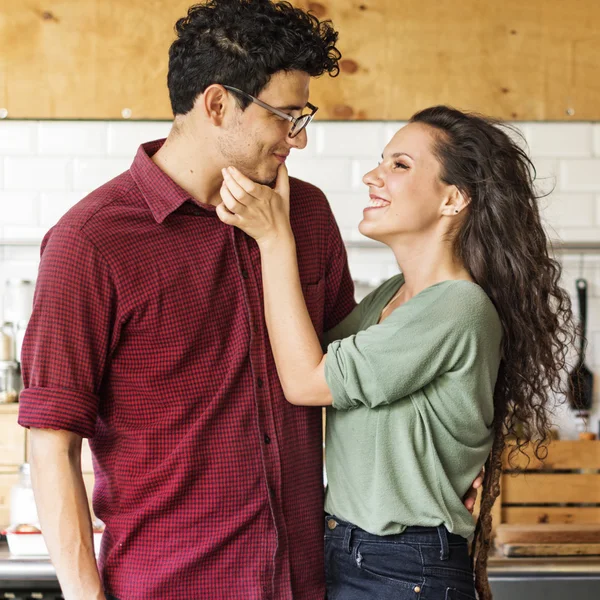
(10, 381)
(7, 342)
(23, 510)
(18, 299)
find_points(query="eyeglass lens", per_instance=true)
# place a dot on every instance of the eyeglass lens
(299, 125)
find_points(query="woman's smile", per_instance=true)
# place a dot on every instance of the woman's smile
(377, 202)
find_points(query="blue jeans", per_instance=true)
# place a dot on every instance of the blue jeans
(423, 563)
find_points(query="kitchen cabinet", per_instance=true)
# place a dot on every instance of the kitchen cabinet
(12, 437)
(14, 442)
(107, 59)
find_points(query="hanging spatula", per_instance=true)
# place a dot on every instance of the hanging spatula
(581, 379)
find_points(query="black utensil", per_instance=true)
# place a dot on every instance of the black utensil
(581, 379)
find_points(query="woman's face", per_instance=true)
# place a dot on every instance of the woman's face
(407, 196)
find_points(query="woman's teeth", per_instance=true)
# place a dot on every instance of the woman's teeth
(377, 203)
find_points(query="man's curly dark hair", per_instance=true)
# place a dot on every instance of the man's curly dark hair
(242, 43)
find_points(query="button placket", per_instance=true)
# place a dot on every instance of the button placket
(259, 362)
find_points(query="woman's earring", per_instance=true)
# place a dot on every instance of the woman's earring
(456, 211)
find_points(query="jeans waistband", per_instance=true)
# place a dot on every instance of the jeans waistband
(431, 536)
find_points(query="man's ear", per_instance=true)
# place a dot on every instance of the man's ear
(455, 202)
(215, 102)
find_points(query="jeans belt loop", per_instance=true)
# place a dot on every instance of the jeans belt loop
(443, 535)
(348, 538)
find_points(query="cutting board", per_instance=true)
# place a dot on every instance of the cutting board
(520, 550)
(544, 533)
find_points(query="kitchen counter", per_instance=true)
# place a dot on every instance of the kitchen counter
(539, 578)
(24, 568)
(500, 565)
(511, 578)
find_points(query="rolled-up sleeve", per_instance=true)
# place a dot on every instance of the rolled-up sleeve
(351, 376)
(69, 336)
(389, 361)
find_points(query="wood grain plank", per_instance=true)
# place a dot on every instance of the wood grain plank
(534, 60)
(515, 550)
(550, 514)
(565, 455)
(533, 488)
(548, 534)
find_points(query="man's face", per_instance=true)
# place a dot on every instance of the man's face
(256, 141)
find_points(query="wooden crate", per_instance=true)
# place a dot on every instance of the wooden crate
(563, 489)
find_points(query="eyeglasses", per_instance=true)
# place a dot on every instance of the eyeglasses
(298, 123)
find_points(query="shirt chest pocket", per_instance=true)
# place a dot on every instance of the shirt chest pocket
(314, 296)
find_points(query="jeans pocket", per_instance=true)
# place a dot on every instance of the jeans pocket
(452, 570)
(454, 594)
(397, 563)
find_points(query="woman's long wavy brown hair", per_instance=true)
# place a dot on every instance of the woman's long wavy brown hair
(502, 243)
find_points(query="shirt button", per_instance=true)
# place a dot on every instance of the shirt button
(267, 439)
(244, 274)
(255, 328)
(260, 382)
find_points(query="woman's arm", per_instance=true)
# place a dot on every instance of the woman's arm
(263, 214)
(296, 347)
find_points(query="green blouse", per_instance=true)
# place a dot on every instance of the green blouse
(410, 425)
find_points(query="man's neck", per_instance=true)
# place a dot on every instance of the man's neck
(191, 166)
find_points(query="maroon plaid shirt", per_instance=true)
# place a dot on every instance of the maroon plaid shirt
(148, 337)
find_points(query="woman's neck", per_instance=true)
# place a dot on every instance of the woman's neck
(425, 263)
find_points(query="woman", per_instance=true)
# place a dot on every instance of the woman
(432, 372)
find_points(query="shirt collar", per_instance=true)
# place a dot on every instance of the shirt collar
(161, 193)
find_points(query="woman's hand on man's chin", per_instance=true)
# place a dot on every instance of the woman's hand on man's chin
(258, 210)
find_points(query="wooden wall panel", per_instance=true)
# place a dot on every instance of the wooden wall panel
(536, 60)
(86, 59)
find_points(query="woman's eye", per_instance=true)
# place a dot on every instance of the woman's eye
(399, 165)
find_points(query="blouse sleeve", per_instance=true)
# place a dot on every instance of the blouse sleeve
(418, 342)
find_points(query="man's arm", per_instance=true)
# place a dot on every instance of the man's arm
(64, 512)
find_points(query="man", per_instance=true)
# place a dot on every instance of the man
(147, 337)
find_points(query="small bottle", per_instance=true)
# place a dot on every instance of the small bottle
(23, 510)
(20, 328)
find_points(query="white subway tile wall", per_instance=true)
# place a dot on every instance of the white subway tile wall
(46, 167)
